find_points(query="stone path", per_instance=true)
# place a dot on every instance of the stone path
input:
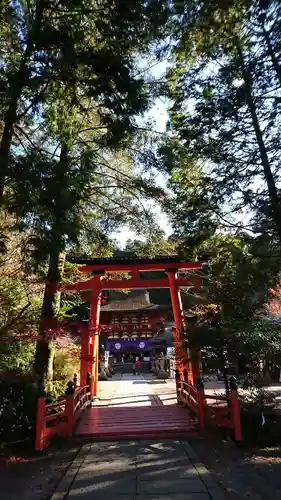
(148, 467)
(142, 470)
(136, 470)
(130, 390)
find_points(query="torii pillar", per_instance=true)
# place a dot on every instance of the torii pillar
(85, 354)
(90, 339)
(191, 365)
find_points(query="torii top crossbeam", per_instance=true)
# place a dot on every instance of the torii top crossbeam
(135, 266)
(126, 265)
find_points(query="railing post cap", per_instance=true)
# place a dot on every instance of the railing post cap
(41, 388)
(233, 383)
(70, 389)
(199, 382)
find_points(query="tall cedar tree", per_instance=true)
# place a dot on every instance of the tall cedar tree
(225, 87)
(88, 53)
(80, 192)
(84, 46)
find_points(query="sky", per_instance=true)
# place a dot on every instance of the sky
(158, 113)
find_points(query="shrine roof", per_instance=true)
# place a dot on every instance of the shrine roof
(137, 301)
(127, 307)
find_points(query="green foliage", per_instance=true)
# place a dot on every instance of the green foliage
(19, 311)
(224, 83)
(18, 403)
(263, 341)
(71, 90)
(258, 398)
(82, 50)
(237, 287)
(92, 245)
(66, 364)
(17, 356)
(67, 184)
(13, 295)
(155, 245)
(255, 343)
(19, 316)
(238, 278)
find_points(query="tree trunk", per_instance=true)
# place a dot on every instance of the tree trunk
(17, 85)
(268, 175)
(50, 307)
(50, 367)
(51, 300)
(5, 145)
(222, 363)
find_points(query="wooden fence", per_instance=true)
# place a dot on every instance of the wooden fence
(59, 418)
(224, 412)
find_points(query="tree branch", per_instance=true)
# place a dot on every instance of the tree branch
(14, 320)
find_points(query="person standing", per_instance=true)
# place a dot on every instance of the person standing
(138, 365)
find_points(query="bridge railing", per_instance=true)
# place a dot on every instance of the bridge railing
(219, 410)
(193, 399)
(59, 418)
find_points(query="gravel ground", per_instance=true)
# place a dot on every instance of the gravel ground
(245, 473)
(35, 476)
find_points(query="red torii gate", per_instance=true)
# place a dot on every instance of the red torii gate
(98, 268)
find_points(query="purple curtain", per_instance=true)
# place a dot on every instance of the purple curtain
(118, 345)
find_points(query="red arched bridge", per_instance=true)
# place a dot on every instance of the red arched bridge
(137, 407)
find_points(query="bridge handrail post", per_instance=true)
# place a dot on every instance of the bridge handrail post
(201, 402)
(235, 409)
(69, 407)
(177, 379)
(69, 411)
(40, 423)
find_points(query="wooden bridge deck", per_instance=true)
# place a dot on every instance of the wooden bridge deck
(136, 407)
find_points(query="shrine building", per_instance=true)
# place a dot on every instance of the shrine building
(135, 325)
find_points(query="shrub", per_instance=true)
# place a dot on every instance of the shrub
(18, 402)
(259, 398)
(17, 356)
(261, 423)
(66, 363)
